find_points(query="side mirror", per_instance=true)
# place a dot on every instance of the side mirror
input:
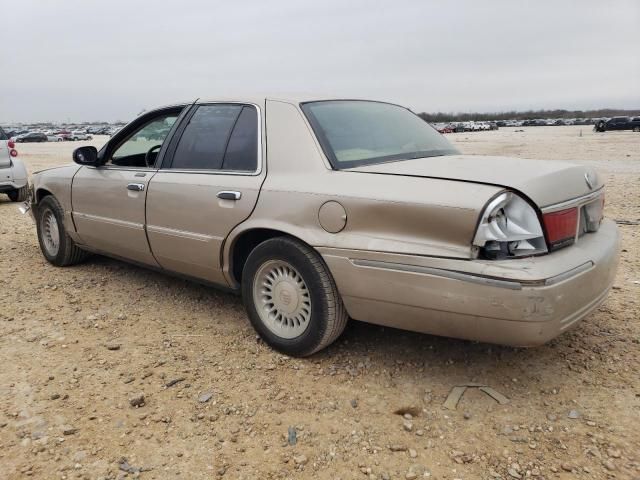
(86, 156)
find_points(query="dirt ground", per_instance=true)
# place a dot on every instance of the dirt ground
(78, 345)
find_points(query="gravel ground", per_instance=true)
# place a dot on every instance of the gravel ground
(112, 371)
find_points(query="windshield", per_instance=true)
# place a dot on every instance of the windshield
(354, 133)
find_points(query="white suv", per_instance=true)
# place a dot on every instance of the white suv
(13, 174)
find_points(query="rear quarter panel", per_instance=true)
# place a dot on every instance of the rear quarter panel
(384, 213)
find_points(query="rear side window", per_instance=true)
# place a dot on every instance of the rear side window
(242, 150)
(3, 136)
(219, 137)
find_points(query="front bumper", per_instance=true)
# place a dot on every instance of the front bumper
(523, 302)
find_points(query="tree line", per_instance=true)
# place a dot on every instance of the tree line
(526, 115)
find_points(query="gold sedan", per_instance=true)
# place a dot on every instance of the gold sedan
(317, 211)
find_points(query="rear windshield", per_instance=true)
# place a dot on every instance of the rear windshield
(3, 136)
(354, 133)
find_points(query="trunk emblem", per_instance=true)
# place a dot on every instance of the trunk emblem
(589, 180)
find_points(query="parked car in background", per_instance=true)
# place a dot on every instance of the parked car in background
(80, 135)
(31, 137)
(15, 133)
(442, 128)
(617, 123)
(351, 209)
(13, 174)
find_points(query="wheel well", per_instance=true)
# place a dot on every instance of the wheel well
(41, 193)
(245, 244)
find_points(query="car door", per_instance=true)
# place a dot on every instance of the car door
(209, 183)
(108, 202)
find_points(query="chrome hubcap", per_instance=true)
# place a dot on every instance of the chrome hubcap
(282, 299)
(50, 233)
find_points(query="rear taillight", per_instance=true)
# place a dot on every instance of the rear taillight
(11, 144)
(13, 152)
(561, 227)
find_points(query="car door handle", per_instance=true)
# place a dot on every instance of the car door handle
(136, 187)
(227, 195)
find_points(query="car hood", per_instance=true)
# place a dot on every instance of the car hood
(545, 182)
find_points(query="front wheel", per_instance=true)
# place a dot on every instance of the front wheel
(291, 297)
(19, 195)
(56, 245)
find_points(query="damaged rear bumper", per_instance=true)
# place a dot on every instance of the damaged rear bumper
(523, 302)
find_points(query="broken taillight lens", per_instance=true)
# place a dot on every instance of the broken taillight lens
(561, 227)
(509, 227)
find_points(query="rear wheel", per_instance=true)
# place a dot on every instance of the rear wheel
(636, 129)
(19, 195)
(57, 247)
(291, 297)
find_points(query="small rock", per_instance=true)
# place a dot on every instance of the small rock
(609, 465)
(567, 467)
(573, 414)
(55, 396)
(408, 426)
(512, 473)
(397, 448)
(69, 430)
(413, 453)
(205, 397)
(411, 475)
(354, 403)
(137, 401)
(125, 467)
(467, 415)
(300, 459)
(613, 452)
(113, 346)
(171, 383)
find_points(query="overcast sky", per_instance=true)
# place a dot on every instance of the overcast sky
(89, 60)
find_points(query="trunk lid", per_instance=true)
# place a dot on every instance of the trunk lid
(545, 182)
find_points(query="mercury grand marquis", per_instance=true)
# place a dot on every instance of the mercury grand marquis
(318, 211)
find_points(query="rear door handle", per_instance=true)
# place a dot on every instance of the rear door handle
(227, 195)
(136, 187)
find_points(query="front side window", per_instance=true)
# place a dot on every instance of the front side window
(219, 137)
(141, 148)
(354, 132)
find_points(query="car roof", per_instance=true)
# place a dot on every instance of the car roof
(261, 98)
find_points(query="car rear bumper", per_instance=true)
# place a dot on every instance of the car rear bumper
(12, 177)
(6, 187)
(513, 302)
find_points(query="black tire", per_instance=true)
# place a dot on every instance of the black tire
(19, 195)
(328, 316)
(67, 252)
(636, 129)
